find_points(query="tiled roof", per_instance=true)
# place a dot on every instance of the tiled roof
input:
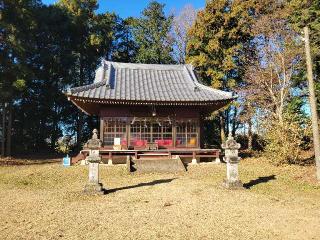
(148, 83)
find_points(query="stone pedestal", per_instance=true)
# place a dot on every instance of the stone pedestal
(232, 180)
(93, 186)
(231, 148)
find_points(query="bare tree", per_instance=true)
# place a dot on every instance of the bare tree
(270, 85)
(181, 23)
(270, 76)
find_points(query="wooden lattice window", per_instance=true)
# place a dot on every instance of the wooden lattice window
(114, 128)
(140, 133)
(150, 130)
(187, 134)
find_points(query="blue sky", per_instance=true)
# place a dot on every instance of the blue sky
(125, 8)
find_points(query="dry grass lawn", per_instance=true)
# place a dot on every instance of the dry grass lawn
(45, 201)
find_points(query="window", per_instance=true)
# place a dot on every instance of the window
(114, 128)
(140, 133)
(151, 130)
(187, 134)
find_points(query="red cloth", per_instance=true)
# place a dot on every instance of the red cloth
(164, 142)
(140, 143)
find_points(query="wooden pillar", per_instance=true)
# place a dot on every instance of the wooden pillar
(217, 160)
(128, 132)
(174, 132)
(198, 133)
(101, 129)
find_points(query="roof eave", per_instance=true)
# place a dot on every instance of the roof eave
(150, 102)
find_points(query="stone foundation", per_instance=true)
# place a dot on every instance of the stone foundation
(93, 189)
(233, 185)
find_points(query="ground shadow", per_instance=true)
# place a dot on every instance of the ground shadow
(258, 181)
(155, 182)
(27, 162)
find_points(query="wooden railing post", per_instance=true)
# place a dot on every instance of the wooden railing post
(110, 158)
(194, 159)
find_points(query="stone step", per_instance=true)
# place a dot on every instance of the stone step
(152, 165)
(78, 158)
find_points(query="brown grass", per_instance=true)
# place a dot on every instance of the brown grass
(46, 202)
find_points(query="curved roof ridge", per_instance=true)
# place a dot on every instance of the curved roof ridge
(87, 87)
(198, 84)
(177, 67)
(228, 94)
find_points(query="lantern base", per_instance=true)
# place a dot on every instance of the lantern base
(94, 189)
(233, 185)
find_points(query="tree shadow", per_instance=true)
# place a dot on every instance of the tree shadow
(155, 182)
(258, 181)
(27, 162)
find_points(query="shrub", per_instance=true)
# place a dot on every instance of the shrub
(285, 139)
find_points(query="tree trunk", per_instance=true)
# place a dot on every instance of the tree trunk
(9, 130)
(226, 121)
(234, 122)
(80, 114)
(313, 104)
(249, 135)
(3, 130)
(222, 131)
(80, 129)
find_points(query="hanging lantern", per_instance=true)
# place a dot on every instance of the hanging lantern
(154, 113)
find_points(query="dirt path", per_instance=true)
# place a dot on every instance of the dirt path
(45, 202)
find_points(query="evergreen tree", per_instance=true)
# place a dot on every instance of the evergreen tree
(124, 47)
(16, 25)
(152, 37)
(44, 50)
(219, 42)
(307, 13)
(92, 38)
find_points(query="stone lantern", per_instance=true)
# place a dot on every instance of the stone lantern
(93, 186)
(231, 148)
